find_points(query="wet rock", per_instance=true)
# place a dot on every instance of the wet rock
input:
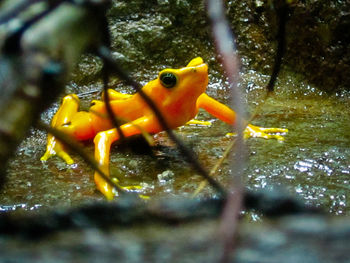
(317, 38)
(167, 231)
(173, 31)
(158, 32)
(309, 226)
(166, 176)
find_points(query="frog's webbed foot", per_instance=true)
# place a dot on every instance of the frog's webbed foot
(261, 132)
(111, 192)
(60, 153)
(56, 148)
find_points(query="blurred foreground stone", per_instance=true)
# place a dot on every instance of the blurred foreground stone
(168, 231)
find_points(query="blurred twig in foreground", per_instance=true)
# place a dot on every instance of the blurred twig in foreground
(225, 46)
(37, 54)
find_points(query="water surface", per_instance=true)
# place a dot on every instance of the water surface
(311, 163)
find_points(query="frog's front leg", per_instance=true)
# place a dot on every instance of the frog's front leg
(227, 115)
(68, 108)
(103, 141)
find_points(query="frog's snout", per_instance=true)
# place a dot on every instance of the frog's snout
(198, 65)
(195, 62)
(203, 67)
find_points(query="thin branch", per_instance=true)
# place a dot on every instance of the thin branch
(21, 6)
(225, 46)
(216, 167)
(224, 42)
(116, 123)
(282, 15)
(12, 42)
(281, 12)
(88, 93)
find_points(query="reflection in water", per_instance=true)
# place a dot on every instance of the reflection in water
(16, 207)
(307, 165)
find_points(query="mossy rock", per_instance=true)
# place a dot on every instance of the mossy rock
(173, 31)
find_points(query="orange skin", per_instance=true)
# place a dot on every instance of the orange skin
(178, 94)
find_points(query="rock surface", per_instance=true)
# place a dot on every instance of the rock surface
(173, 31)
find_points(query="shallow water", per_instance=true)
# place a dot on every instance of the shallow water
(312, 162)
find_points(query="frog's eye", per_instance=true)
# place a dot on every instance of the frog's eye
(168, 80)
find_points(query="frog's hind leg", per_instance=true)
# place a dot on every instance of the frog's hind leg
(115, 95)
(68, 108)
(112, 95)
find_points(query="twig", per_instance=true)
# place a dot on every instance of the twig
(106, 40)
(216, 167)
(88, 93)
(225, 46)
(282, 17)
(282, 13)
(116, 123)
(224, 42)
(12, 42)
(16, 10)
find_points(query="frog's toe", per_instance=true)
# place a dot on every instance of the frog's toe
(105, 188)
(111, 192)
(278, 137)
(135, 189)
(273, 130)
(62, 154)
(127, 188)
(198, 122)
(144, 197)
(47, 155)
(266, 133)
(132, 188)
(65, 156)
(230, 134)
(264, 136)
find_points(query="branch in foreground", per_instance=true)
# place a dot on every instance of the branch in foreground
(33, 70)
(225, 46)
(129, 211)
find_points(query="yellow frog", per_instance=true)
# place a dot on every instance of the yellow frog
(178, 94)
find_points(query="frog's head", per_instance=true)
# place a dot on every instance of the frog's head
(180, 85)
(191, 80)
(175, 91)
